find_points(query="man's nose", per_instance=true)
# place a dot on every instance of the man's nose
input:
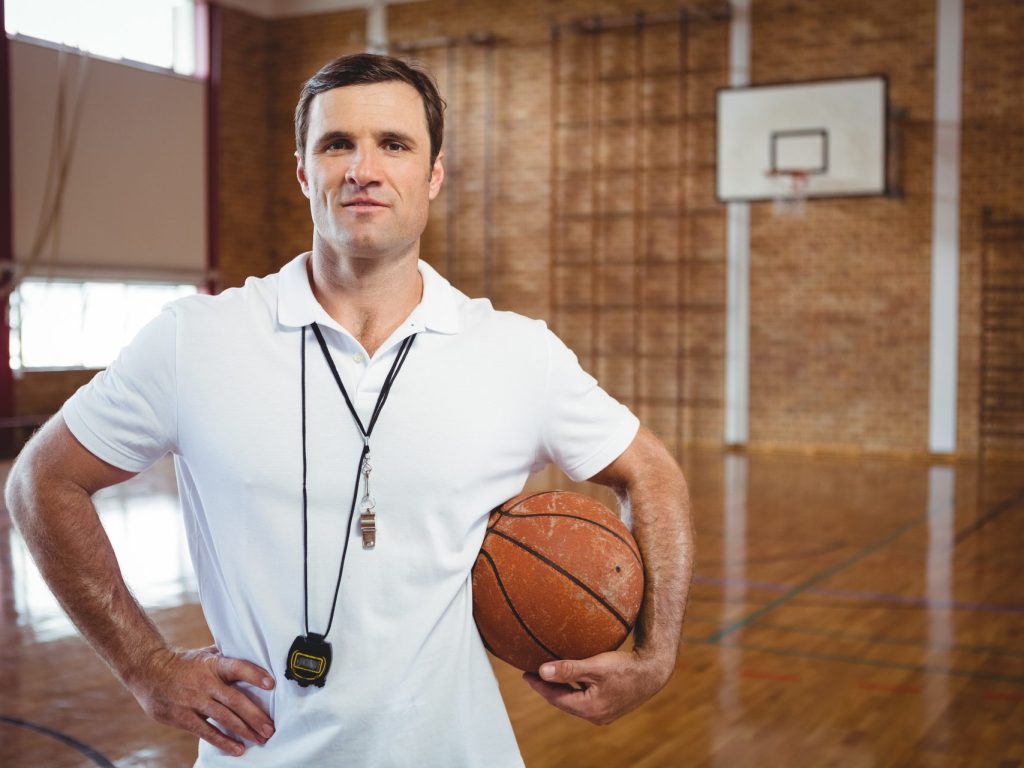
(364, 168)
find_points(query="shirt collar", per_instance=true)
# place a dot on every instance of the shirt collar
(298, 307)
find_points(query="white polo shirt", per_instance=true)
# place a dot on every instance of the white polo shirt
(484, 399)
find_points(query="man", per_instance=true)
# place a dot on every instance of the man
(345, 638)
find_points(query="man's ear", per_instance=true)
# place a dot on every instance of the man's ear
(437, 175)
(300, 174)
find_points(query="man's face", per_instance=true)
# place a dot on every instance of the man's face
(367, 170)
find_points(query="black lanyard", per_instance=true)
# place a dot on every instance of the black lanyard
(311, 650)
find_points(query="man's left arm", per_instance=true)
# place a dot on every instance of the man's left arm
(602, 688)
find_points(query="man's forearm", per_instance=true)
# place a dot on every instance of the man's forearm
(659, 504)
(73, 553)
(604, 687)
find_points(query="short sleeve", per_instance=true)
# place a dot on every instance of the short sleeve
(127, 414)
(585, 429)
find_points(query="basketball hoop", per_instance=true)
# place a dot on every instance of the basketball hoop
(791, 195)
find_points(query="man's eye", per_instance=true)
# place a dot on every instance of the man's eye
(335, 146)
(394, 146)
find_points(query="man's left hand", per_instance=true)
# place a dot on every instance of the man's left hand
(602, 688)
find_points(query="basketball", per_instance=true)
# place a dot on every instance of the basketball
(559, 576)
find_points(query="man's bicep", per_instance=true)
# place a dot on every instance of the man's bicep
(646, 456)
(55, 455)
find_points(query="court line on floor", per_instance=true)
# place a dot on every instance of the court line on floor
(97, 757)
(861, 661)
(878, 639)
(807, 584)
(920, 668)
(988, 517)
(881, 597)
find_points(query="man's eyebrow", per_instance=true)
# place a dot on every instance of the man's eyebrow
(401, 138)
(332, 136)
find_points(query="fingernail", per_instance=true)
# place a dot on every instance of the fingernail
(267, 731)
(238, 751)
(268, 683)
(547, 670)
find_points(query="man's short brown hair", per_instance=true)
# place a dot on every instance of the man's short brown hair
(366, 69)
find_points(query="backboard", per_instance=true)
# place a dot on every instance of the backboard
(831, 132)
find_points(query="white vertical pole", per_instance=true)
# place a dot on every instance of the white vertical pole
(737, 293)
(945, 228)
(377, 27)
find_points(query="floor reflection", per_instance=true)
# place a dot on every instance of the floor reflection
(939, 585)
(734, 560)
(143, 519)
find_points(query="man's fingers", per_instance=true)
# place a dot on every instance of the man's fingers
(561, 695)
(229, 721)
(207, 732)
(237, 670)
(256, 722)
(568, 672)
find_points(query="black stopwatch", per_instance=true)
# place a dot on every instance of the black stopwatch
(309, 659)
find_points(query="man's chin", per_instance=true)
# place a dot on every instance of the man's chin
(373, 248)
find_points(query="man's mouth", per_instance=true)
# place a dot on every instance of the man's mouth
(363, 202)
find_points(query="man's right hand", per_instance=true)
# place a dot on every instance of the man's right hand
(185, 689)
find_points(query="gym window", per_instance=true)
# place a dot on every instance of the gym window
(67, 324)
(159, 33)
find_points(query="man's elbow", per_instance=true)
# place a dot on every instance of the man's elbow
(21, 484)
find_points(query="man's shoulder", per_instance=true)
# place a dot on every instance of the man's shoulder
(481, 316)
(257, 295)
(475, 315)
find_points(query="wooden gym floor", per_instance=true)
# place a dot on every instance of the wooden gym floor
(844, 613)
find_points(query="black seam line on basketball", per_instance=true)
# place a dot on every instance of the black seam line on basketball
(97, 757)
(512, 607)
(582, 519)
(500, 511)
(608, 606)
(525, 499)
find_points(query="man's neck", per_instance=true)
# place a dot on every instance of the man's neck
(370, 298)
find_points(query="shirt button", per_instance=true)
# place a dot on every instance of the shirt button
(358, 357)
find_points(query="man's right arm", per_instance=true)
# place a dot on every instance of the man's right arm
(49, 496)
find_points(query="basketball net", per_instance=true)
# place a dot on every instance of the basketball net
(791, 195)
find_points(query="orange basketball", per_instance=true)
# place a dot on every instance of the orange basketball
(558, 577)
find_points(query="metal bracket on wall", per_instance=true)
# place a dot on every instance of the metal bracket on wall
(895, 124)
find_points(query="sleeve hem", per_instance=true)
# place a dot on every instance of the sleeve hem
(612, 448)
(93, 443)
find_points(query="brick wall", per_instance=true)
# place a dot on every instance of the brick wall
(41, 393)
(587, 142)
(628, 274)
(556, 197)
(992, 170)
(840, 299)
(246, 230)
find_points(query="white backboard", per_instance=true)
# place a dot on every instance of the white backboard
(831, 131)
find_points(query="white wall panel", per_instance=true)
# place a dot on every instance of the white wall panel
(135, 197)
